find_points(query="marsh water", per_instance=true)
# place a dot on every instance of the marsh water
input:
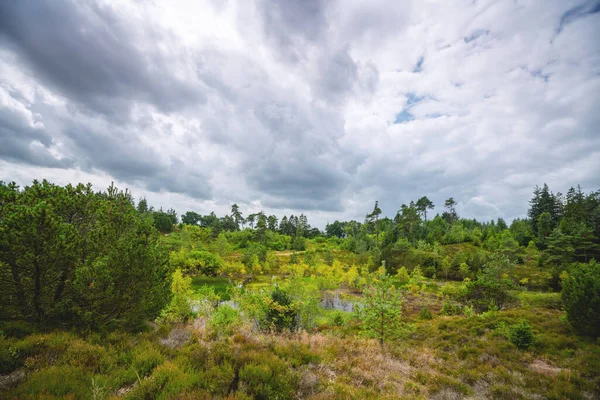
(333, 301)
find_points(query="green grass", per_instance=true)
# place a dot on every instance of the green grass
(221, 285)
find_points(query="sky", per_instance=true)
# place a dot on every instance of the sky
(318, 107)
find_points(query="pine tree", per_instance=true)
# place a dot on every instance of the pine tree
(381, 310)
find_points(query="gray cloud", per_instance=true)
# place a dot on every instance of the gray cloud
(289, 106)
(293, 24)
(94, 56)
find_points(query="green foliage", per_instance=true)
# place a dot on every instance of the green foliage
(491, 288)
(425, 313)
(179, 309)
(521, 335)
(451, 308)
(267, 378)
(203, 262)
(225, 321)
(402, 276)
(338, 319)
(255, 253)
(381, 310)
(581, 296)
(70, 255)
(305, 296)
(299, 243)
(281, 313)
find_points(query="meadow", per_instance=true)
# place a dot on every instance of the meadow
(255, 314)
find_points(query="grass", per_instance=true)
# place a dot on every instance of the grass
(443, 357)
(220, 285)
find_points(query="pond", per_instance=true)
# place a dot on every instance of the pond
(333, 301)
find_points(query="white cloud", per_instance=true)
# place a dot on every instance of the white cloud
(290, 105)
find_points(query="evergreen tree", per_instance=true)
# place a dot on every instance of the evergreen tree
(237, 216)
(424, 204)
(381, 310)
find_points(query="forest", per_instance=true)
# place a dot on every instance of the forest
(103, 296)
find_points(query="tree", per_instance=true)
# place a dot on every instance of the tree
(381, 310)
(272, 223)
(450, 215)
(581, 297)
(302, 225)
(237, 215)
(491, 288)
(373, 218)
(203, 262)
(501, 225)
(228, 223)
(544, 201)
(162, 221)
(446, 266)
(261, 226)
(69, 255)
(179, 309)
(142, 206)
(335, 229)
(250, 220)
(283, 225)
(172, 214)
(424, 204)
(191, 218)
(408, 220)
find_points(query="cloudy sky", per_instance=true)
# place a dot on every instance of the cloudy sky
(314, 106)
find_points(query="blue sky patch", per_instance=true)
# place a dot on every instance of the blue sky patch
(403, 116)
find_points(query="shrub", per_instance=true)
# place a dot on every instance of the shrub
(179, 310)
(450, 308)
(81, 241)
(581, 296)
(381, 311)
(281, 314)
(225, 320)
(203, 262)
(521, 335)
(299, 243)
(338, 319)
(402, 275)
(18, 329)
(253, 254)
(145, 358)
(425, 313)
(267, 378)
(491, 288)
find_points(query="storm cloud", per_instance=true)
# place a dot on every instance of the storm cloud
(313, 106)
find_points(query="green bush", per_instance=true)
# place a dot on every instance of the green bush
(254, 251)
(450, 308)
(491, 288)
(225, 320)
(179, 309)
(268, 380)
(425, 313)
(281, 313)
(203, 262)
(17, 329)
(299, 243)
(338, 319)
(145, 358)
(98, 262)
(521, 335)
(581, 296)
